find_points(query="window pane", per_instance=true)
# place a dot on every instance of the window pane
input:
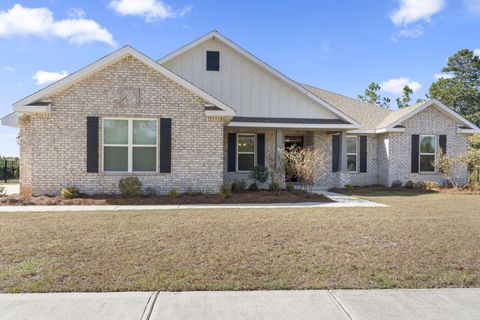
(246, 143)
(115, 131)
(246, 162)
(351, 144)
(144, 159)
(145, 132)
(115, 159)
(352, 163)
(427, 144)
(426, 163)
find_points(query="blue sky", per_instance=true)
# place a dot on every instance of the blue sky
(337, 45)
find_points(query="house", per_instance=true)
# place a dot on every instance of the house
(207, 114)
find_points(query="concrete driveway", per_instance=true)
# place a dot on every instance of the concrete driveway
(428, 304)
(11, 188)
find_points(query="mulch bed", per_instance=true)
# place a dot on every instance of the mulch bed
(261, 196)
(369, 189)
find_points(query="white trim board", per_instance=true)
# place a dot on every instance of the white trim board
(113, 57)
(216, 35)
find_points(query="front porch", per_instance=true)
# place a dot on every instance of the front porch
(349, 158)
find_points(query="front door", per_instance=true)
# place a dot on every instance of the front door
(292, 141)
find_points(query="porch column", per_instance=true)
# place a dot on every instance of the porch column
(278, 146)
(343, 152)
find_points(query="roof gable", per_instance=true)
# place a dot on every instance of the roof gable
(263, 66)
(225, 110)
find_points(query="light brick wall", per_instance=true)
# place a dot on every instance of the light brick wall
(53, 150)
(428, 122)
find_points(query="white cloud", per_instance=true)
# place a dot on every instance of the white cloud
(22, 21)
(151, 10)
(411, 11)
(76, 13)
(472, 6)
(395, 86)
(408, 33)
(44, 77)
(476, 52)
(9, 69)
(444, 76)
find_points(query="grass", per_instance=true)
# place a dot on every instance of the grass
(420, 241)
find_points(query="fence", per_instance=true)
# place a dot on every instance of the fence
(9, 170)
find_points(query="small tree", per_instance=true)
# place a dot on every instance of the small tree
(448, 166)
(259, 174)
(308, 164)
(372, 96)
(406, 98)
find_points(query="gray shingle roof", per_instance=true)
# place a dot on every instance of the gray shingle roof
(368, 115)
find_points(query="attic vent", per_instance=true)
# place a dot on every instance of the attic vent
(213, 61)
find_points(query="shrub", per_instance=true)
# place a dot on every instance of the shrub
(238, 186)
(130, 187)
(172, 193)
(69, 193)
(3, 191)
(397, 184)
(410, 184)
(308, 164)
(150, 192)
(348, 186)
(289, 187)
(430, 185)
(275, 186)
(225, 190)
(190, 191)
(260, 174)
(419, 185)
(253, 187)
(448, 165)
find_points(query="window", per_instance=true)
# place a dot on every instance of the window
(428, 150)
(213, 61)
(352, 153)
(130, 145)
(245, 152)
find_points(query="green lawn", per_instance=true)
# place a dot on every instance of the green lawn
(421, 241)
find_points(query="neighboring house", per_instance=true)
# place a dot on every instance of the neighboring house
(207, 114)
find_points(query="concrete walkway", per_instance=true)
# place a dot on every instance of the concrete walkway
(340, 201)
(11, 188)
(438, 304)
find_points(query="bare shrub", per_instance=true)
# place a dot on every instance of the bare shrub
(308, 164)
(448, 165)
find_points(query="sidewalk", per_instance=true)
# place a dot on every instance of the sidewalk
(424, 304)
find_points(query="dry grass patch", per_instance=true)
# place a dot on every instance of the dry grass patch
(421, 241)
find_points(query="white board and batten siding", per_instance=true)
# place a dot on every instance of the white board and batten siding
(243, 85)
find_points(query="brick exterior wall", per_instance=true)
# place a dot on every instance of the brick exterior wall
(53, 149)
(430, 121)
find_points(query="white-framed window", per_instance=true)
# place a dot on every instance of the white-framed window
(428, 153)
(352, 153)
(246, 157)
(130, 145)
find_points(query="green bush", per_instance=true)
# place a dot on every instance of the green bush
(430, 185)
(130, 187)
(420, 185)
(260, 174)
(289, 187)
(397, 184)
(253, 187)
(190, 191)
(3, 191)
(238, 186)
(225, 190)
(173, 193)
(348, 186)
(69, 193)
(274, 186)
(410, 184)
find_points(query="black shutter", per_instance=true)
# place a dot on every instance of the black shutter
(92, 144)
(415, 152)
(442, 143)
(213, 61)
(232, 152)
(363, 153)
(261, 149)
(336, 147)
(165, 145)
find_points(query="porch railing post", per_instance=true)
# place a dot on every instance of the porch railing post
(5, 172)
